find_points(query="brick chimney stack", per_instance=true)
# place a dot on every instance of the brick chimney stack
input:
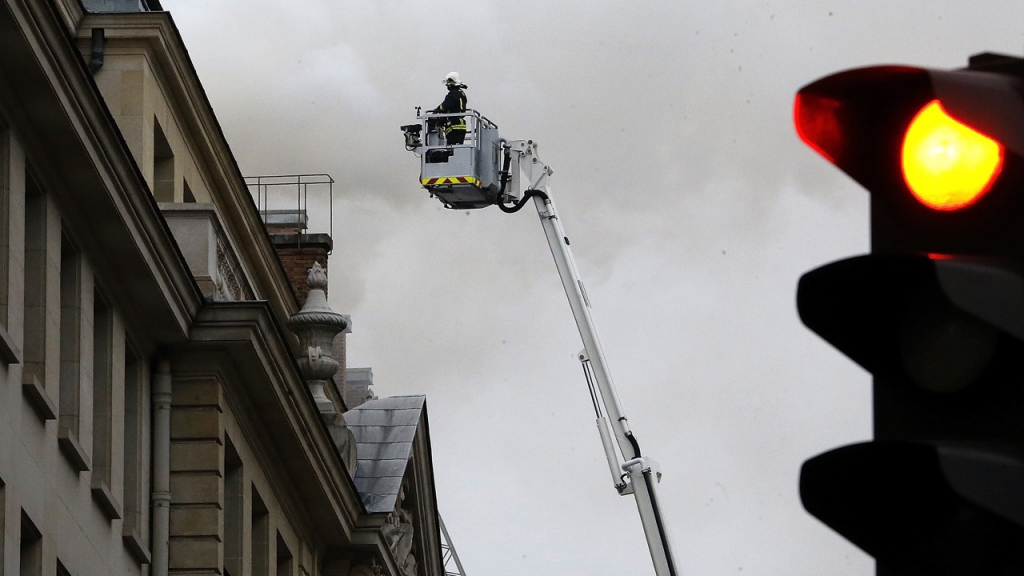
(297, 251)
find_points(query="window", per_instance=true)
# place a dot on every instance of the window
(103, 406)
(233, 507)
(136, 438)
(31, 563)
(71, 319)
(3, 511)
(37, 269)
(260, 536)
(11, 178)
(163, 166)
(41, 279)
(189, 197)
(6, 183)
(284, 558)
(12, 172)
(70, 335)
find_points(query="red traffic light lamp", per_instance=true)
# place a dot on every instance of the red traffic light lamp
(935, 313)
(946, 164)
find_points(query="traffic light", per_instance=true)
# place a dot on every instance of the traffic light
(935, 313)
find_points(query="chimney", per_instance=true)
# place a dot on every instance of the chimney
(298, 251)
(357, 386)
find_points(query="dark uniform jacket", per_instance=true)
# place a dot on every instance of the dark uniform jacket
(455, 101)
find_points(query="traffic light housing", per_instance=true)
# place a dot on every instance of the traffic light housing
(935, 313)
(858, 119)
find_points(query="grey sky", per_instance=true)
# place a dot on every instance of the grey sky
(693, 210)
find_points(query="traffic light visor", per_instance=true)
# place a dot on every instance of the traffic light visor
(818, 125)
(946, 164)
(947, 508)
(894, 314)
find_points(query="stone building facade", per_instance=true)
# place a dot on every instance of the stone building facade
(156, 412)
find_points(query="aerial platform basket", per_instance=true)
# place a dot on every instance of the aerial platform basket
(464, 175)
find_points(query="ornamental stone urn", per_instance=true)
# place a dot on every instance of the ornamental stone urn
(316, 325)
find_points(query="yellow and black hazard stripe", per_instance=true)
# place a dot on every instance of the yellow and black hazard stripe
(450, 180)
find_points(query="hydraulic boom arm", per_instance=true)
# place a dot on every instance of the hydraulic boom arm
(637, 471)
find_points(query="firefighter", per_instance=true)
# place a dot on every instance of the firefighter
(455, 101)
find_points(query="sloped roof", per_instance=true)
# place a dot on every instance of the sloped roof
(384, 430)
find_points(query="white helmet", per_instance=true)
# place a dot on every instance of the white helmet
(452, 78)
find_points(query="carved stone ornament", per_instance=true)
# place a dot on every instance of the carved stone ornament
(317, 278)
(398, 533)
(316, 325)
(344, 439)
(229, 285)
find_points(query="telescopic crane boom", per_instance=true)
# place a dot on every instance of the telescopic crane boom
(488, 170)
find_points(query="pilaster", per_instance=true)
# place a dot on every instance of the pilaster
(197, 476)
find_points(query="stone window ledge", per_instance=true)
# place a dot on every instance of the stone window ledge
(106, 501)
(37, 397)
(72, 450)
(9, 353)
(137, 547)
